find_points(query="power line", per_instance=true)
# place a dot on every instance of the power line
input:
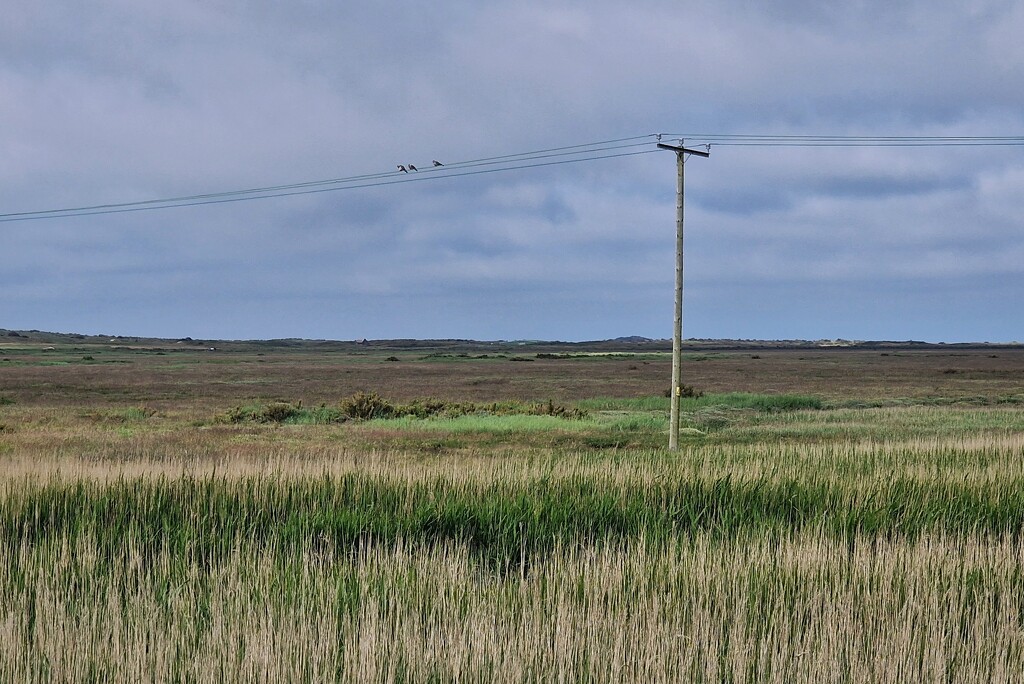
(357, 181)
(568, 154)
(560, 149)
(873, 144)
(751, 140)
(238, 196)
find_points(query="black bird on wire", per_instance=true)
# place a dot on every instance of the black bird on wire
(437, 163)
(402, 168)
(412, 168)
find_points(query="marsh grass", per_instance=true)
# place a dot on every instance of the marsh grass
(789, 540)
(491, 424)
(369, 406)
(504, 515)
(793, 608)
(737, 400)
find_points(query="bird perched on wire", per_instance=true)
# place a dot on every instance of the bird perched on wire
(412, 168)
(401, 167)
(437, 163)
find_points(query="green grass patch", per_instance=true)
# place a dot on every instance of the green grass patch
(762, 402)
(638, 423)
(137, 413)
(624, 404)
(737, 400)
(485, 423)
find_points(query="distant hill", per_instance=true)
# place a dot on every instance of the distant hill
(632, 343)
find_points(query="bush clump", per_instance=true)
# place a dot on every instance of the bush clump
(558, 410)
(437, 408)
(371, 406)
(276, 412)
(367, 406)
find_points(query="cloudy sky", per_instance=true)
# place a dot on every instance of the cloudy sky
(119, 101)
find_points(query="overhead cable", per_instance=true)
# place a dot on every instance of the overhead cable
(568, 154)
(241, 196)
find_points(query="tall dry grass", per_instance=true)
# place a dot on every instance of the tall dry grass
(852, 545)
(799, 607)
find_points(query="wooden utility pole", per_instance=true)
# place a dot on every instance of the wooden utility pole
(677, 333)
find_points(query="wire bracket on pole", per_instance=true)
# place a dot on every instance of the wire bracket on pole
(685, 150)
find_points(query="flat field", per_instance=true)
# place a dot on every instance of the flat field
(414, 512)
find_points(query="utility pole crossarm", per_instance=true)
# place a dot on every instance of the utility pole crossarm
(687, 150)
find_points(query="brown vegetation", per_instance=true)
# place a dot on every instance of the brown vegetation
(180, 514)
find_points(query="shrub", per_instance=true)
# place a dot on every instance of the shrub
(427, 408)
(283, 412)
(370, 406)
(367, 406)
(276, 412)
(558, 410)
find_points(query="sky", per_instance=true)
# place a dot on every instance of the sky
(119, 101)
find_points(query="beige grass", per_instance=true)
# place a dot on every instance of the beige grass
(230, 452)
(773, 607)
(797, 609)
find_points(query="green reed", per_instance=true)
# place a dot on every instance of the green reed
(500, 519)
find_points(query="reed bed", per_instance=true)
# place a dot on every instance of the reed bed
(795, 607)
(834, 545)
(501, 518)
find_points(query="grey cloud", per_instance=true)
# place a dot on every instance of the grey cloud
(115, 103)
